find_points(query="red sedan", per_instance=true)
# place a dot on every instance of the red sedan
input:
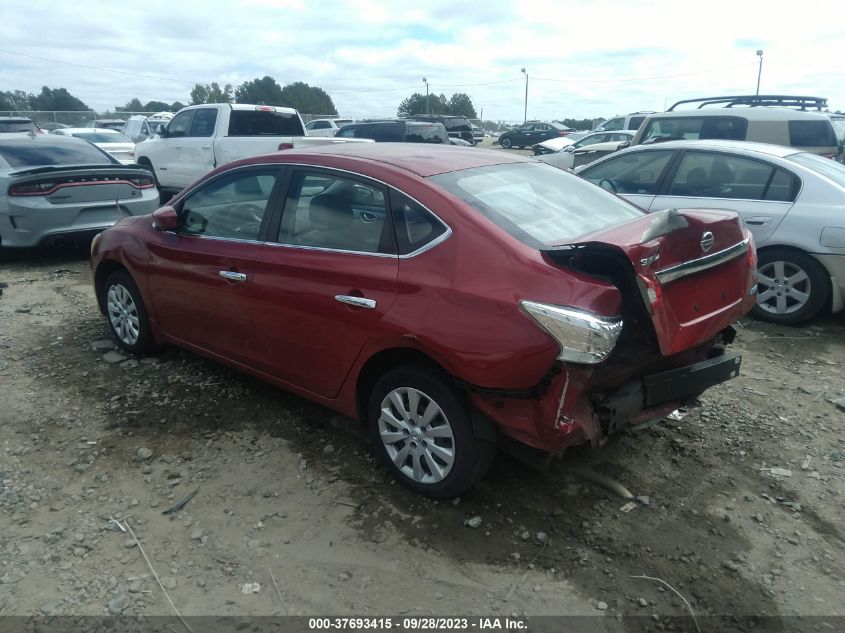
(456, 300)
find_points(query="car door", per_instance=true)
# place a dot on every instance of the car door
(635, 175)
(197, 146)
(325, 279)
(168, 159)
(762, 193)
(201, 275)
(522, 135)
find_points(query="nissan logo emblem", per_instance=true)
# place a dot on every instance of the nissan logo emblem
(707, 241)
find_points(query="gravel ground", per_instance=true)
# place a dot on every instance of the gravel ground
(740, 502)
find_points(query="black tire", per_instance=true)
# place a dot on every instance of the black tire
(776, 301)
(145, 162)
(472, 456)
(122, 282)
(505, 142)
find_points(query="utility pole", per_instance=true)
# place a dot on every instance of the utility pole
(525, 114)
(427, 110)
(759, 70)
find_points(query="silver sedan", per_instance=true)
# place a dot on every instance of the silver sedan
(791, 201)
(56, 188)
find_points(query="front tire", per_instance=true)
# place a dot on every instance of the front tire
(792, 287)
(505, 142)
(127, 314)
(421, 429)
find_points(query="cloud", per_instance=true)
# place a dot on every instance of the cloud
(584, 59)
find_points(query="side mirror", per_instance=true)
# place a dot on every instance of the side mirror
(623, 145)
(165, 219)
(569, 148)
(162, 131)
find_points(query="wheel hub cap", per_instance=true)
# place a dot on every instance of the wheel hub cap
(416, 435)
(784, 287)
(123, 314)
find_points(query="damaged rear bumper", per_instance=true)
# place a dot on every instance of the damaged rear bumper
(664, 391)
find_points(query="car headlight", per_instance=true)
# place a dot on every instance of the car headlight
(583, 337)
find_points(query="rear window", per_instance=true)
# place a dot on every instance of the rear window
(536, 203)
(457, 125)
(97, 137)
(729, 128)
(264, 123)
(829, 168)
(379, 132)
(426, 134)
(32, 154)
(812, 134)
(17, 126)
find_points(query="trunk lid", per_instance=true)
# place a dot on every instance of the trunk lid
(694, 271)
(61, 185)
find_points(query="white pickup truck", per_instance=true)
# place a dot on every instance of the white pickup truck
(202, 137)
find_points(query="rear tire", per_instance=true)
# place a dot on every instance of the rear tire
(421, 430)
(792, 286)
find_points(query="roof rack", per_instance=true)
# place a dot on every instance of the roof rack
(788, 101)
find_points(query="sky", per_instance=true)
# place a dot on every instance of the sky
(584, 59)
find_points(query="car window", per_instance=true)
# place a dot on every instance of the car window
(327, 211)
(633, 172)
(204, 121)
(265, 122)
(415, 227)
(17, 126)
(434, 133)
(232, 206)
(613, 124)
(718, 175)
(28, 153)
(311, 126)
(812, 134)
(536, 203)
(180, 124)
(592, 139)
(347, 131)
(824, 166)
(635, 122)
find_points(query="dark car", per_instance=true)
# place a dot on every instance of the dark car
(454, 299)
(457, 126)
(532, 132)
(396, 131)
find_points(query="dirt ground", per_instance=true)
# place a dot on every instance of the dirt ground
(288, 497)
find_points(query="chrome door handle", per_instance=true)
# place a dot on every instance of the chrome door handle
(758, 220)
(232, 275)
(206, 146)
(358, 302)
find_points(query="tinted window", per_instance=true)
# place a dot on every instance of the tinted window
(180, 124)
(264, 123)
(717, 175)
(783, 187)
(426, 134)
(812, 134)
(30, 153)
(635, 122)
(232, 206)
(690, 128)
(537, 203)
(457, 125)
(633, 172)
(17, 126)
(415, 227)
(204, 121)
(382, 132)
(347, 131)
(327, 211)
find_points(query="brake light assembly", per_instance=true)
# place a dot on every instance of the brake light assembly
(583, 337)
(47, 187)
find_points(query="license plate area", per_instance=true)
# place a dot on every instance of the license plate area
(676, 384)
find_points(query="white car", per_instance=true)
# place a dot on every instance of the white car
(325, 127)
(110, 141)
(587, 149)
(790, 200)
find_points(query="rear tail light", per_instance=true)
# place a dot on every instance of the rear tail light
(285, 146)
(561, 133)
(32, 189)
(142, 182)
(583, 337)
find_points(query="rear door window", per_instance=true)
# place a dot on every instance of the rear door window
(718, 175)
(634, 173)
(812, 134)
(415, 227)
(204, 121)
(426, 134)
(613, 124)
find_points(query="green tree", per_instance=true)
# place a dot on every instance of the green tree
(56, 99)
(308, 99)
(211, 93)
(461, 105)
(14, 100)
(176, 106)
(156, 106)
(133, 105)
(199, 94)
(264, 91)
(416, 104)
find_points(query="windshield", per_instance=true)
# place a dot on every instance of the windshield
(99, 137)
(17, 126)
(828, 168)
(536, 203)
(31, 154)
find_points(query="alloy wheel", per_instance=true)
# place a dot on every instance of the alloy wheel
(783, 287)
(416, 435)
(123, 314)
